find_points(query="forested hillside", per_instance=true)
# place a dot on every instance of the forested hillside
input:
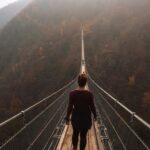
(38, 54)
(118, 48)
(40, 51)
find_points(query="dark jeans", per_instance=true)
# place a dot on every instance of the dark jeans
(75, 136)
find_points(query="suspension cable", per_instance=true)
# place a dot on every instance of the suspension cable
(35, 105)
(35, 118)
(30, 146)
(107, 116)
(121, 118)
(146, 124)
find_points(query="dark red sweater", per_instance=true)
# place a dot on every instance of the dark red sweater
(81, 103)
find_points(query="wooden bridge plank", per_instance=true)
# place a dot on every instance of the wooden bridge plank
(65, 142)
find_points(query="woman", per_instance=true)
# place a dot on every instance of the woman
(81, 104)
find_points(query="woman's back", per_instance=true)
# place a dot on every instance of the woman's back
(81, 100)
(81, 105)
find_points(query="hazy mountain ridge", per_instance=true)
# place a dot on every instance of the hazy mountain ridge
(9, 12)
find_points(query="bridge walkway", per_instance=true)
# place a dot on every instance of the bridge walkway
(42, 126)
(93, 141)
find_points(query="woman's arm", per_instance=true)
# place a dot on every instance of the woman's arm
(70, 107)
(92, 106)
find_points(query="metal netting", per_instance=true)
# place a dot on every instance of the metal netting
(38, 133)
(122, 136)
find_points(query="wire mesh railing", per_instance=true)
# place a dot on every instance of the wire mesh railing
(121, 133)
(38, 127)
(34, 132)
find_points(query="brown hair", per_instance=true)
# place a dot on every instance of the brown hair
(82, 79)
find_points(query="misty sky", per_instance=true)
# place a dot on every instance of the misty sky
(4, 3)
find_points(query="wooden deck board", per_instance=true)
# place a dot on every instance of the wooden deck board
(66, 140)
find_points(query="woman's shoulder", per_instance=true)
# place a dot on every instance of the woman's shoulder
(80, 91)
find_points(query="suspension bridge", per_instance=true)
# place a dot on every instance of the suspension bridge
(42, 126)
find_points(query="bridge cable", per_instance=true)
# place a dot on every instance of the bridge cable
(134, 133)
(123, 106)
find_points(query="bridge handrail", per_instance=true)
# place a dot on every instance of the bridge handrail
(133, 114)
(36, 104)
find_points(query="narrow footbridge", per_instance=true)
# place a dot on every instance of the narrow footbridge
(42, 126)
